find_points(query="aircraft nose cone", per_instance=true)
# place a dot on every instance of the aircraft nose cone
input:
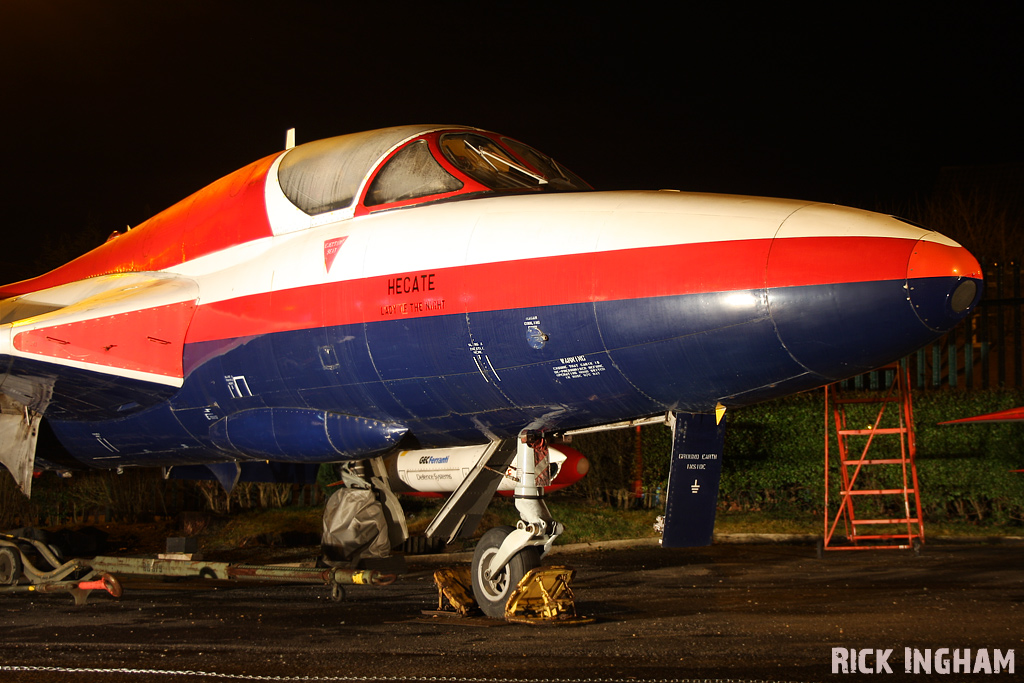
(851, 290)
(943, 282)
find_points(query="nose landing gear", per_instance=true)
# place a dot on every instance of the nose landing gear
(505, 555)
(493, 588)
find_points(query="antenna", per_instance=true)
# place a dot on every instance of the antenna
(289, 138)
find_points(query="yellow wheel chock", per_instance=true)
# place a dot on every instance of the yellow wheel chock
(454, 591)
(542, 597)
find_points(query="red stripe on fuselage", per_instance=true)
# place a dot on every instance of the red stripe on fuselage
(557, 280)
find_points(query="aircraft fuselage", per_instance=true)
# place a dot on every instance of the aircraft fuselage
(278, 335)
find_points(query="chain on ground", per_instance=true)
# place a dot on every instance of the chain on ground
(362, 679)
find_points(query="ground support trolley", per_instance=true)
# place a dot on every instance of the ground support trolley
(28, 565)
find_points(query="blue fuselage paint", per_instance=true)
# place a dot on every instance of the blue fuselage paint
(466, 378)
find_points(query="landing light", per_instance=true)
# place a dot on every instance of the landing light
(963, 296)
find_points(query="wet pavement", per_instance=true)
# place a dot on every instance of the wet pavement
(749, 612)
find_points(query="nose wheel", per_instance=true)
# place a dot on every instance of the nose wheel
(492, 592)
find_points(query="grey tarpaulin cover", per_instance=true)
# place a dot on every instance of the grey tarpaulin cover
(354, 527)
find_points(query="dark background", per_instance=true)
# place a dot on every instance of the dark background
(113, 110)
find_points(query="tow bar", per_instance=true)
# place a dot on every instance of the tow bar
(79, 577)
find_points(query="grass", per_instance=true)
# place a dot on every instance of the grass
(270, 527)
(766, 523)
(584, 522)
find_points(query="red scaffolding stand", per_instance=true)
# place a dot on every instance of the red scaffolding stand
(862, 478)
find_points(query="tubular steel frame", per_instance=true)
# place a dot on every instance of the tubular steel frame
(851, 466)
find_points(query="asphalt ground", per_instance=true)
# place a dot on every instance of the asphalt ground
(752, 611)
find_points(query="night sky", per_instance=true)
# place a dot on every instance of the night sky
(112, 111)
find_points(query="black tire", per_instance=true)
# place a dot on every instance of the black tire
(492, 595)
(10, 566)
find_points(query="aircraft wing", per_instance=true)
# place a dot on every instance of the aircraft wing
(105, 347)
(129, 326)
(1011, 415)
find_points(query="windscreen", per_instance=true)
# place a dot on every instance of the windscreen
(491, 164)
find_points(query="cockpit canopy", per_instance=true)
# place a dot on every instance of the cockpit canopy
(409, 165)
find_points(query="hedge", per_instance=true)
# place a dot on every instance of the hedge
(774, 457)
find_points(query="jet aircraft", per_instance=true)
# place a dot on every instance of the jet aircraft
(433, 287)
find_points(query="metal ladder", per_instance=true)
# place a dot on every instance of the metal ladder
(861, 477)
